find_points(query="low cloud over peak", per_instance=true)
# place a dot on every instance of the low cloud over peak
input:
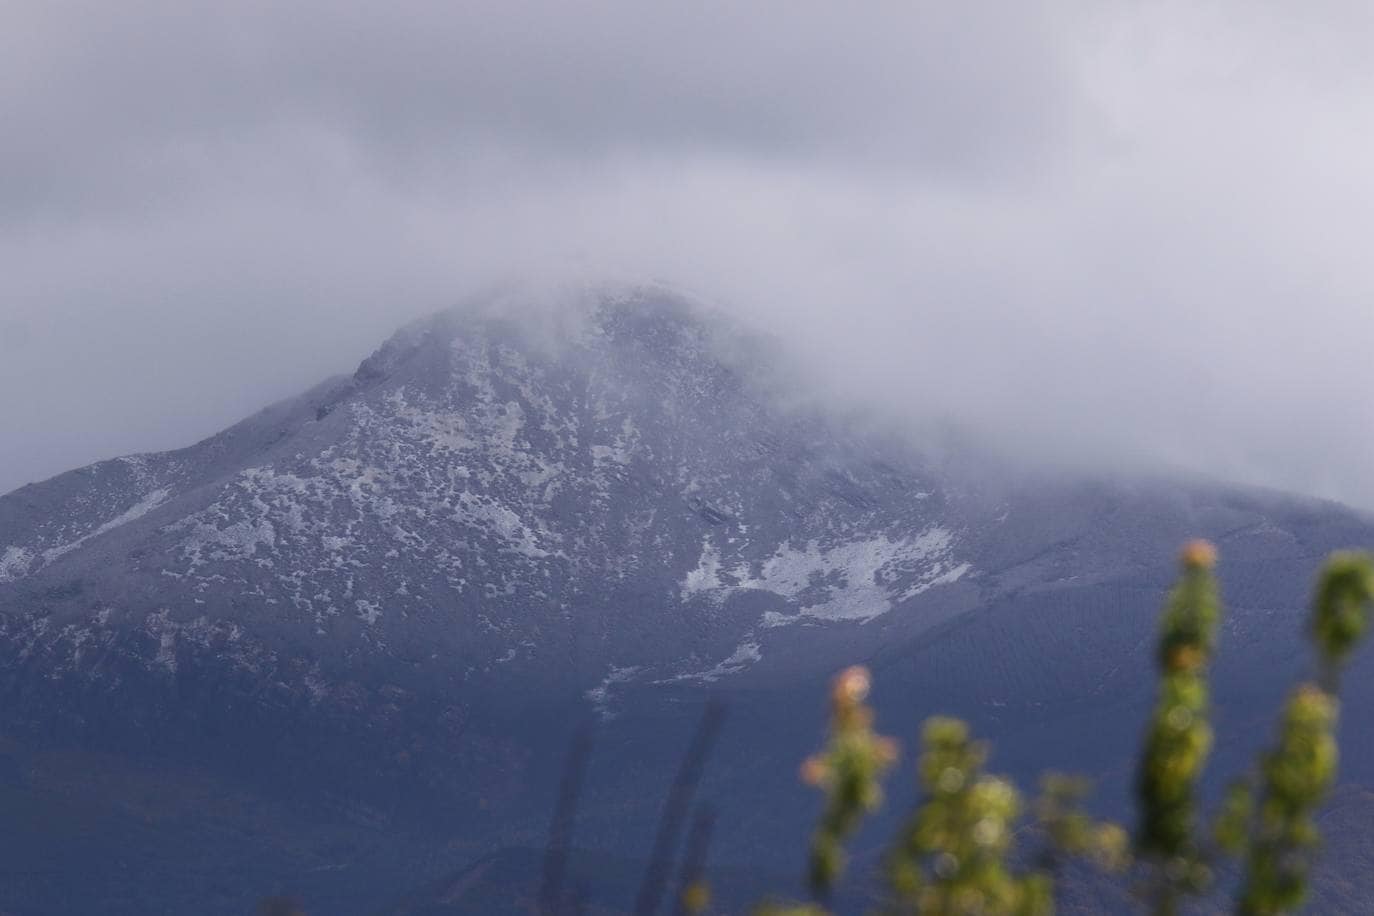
(1102, 232)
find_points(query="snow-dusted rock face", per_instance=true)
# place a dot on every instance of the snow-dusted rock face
(478, 503)
(618, 498)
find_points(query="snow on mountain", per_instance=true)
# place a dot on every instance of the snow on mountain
(483, 500)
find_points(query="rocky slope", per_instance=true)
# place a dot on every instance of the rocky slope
(477, 506)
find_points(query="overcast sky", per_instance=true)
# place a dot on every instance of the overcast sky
(1121, 232)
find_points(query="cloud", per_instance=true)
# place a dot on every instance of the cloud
(1110, 233)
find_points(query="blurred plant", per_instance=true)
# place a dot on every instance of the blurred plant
(849, 771)
(1071, 833)
(953, 856)
(1231, 829)
(1296, 775)
(1279, 832)
(1178, 736)
(791, 909)
(1340, 613)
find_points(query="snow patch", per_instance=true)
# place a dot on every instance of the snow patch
(745, 655)
(706, 577)
(854, 580)
(601, 694)
(369, 612)
(443, 431)
(15, 563)
(953, 574)
(620, 450)
(316, 684)
(165, 629)
(503, 522)
(238, 541)
(136, 511)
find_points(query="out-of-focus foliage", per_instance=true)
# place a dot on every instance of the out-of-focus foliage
(1231, 830)
(1279, 830)
(849, 771)
(1297, 774)
(952, 856)
(791, 909)
(1341, 611)
(1178, 737)
(1070, 832)
(696, 897)
(955, 855)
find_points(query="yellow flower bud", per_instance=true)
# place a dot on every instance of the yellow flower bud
(814, 771)
(1199, 554)
(851, 685)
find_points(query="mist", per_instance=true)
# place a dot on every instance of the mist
(1103, 234)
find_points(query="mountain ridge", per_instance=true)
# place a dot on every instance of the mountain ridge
(141, 493)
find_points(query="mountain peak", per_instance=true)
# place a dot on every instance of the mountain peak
(487, 488)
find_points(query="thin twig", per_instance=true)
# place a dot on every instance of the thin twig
(694, 858)
(564, 819)
(675, 808)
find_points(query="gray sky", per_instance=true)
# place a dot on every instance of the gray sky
(1112, 232)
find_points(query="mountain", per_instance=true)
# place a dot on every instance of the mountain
(340, 649)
